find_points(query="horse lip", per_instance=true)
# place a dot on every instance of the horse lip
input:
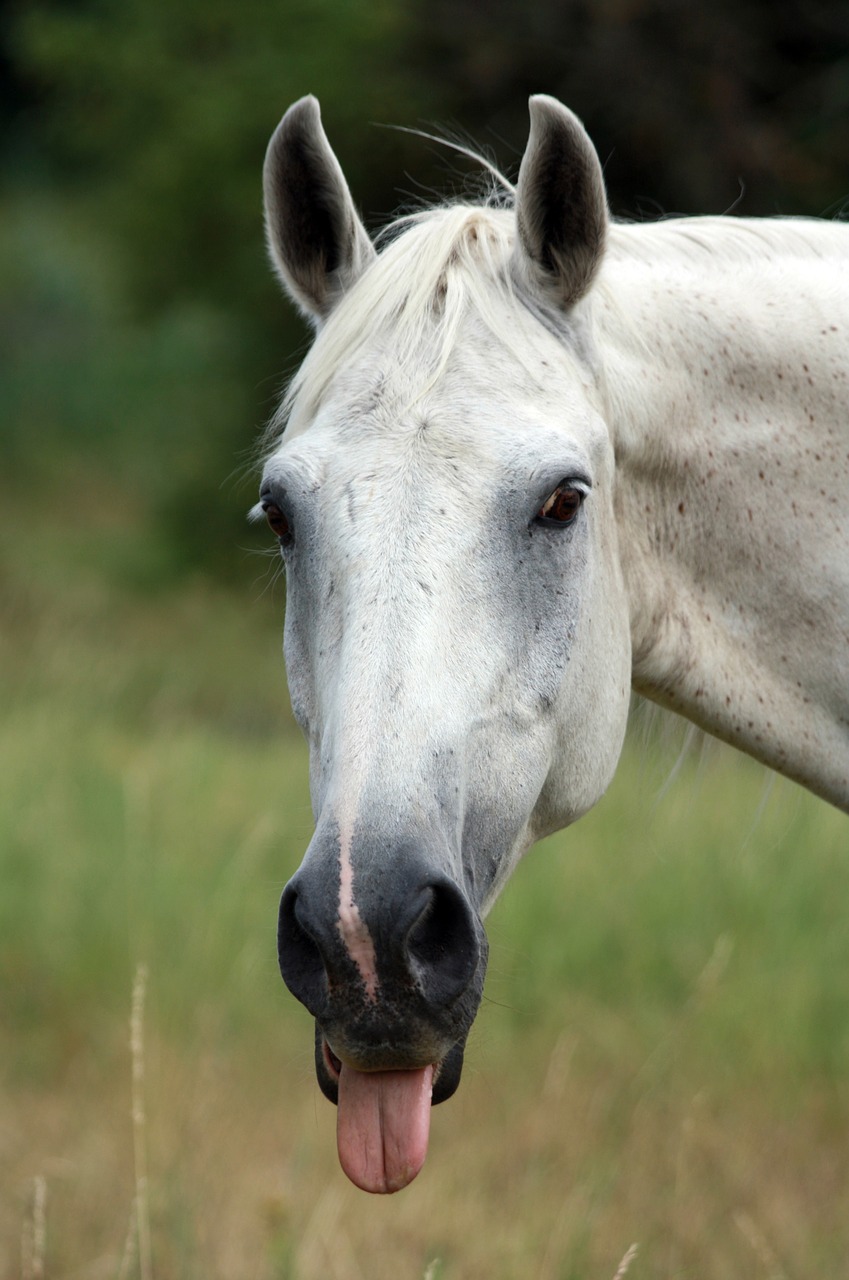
(446, 1073)
(331, 1062)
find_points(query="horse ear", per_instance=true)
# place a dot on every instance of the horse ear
(561, 206)
(316, 240)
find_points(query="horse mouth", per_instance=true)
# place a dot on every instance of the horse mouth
(328, 1069)
(383, 1120)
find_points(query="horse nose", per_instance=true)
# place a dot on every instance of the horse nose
(421, 928)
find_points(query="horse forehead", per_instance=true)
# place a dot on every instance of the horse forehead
(468, 425)
(375, 440)
(402, 471)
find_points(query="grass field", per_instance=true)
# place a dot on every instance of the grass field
(662, 1056)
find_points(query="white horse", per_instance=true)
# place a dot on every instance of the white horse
(533, 459)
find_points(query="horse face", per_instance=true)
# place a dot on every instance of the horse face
(456, 629)
(457, 652)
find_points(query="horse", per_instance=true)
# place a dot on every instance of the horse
(534, 459)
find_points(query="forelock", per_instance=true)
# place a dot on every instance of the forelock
(435, 269)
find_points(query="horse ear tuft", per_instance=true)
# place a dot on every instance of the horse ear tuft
(317, 242)
(561, 205)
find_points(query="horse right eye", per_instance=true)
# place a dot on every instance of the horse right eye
(277, 522)
(561, 507)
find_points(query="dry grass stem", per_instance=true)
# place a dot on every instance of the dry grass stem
(129, 1255)
(34, 1240)
(624, 1265)
(142, 1207)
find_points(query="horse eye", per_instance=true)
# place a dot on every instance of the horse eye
(277, 521)
(563, 505)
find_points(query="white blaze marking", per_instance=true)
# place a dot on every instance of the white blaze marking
(352, 928)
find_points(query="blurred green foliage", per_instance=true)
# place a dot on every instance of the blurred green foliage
(161, 113)
(144, 339)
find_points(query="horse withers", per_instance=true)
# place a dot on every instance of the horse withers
(533, 459)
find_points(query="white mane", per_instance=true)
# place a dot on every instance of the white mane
(693, 241)
(444, 263)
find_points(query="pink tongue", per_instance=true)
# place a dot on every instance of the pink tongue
(382, 1126)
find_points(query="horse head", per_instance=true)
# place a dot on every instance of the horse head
(456, 634)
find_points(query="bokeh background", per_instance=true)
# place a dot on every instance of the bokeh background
(663, 1055)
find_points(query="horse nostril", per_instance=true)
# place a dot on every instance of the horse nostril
(298, 954)
(443, 944)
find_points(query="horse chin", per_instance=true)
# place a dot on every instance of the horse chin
(446, 1074)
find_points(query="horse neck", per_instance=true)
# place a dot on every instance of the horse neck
(726, 407)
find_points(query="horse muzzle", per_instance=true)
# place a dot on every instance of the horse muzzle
(402, 985)
(393, 977)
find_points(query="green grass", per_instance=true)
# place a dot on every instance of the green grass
(662, 1055)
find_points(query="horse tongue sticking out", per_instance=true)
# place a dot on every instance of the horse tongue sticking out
(382, 1126)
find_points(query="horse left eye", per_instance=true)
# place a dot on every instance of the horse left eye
(563, 505)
